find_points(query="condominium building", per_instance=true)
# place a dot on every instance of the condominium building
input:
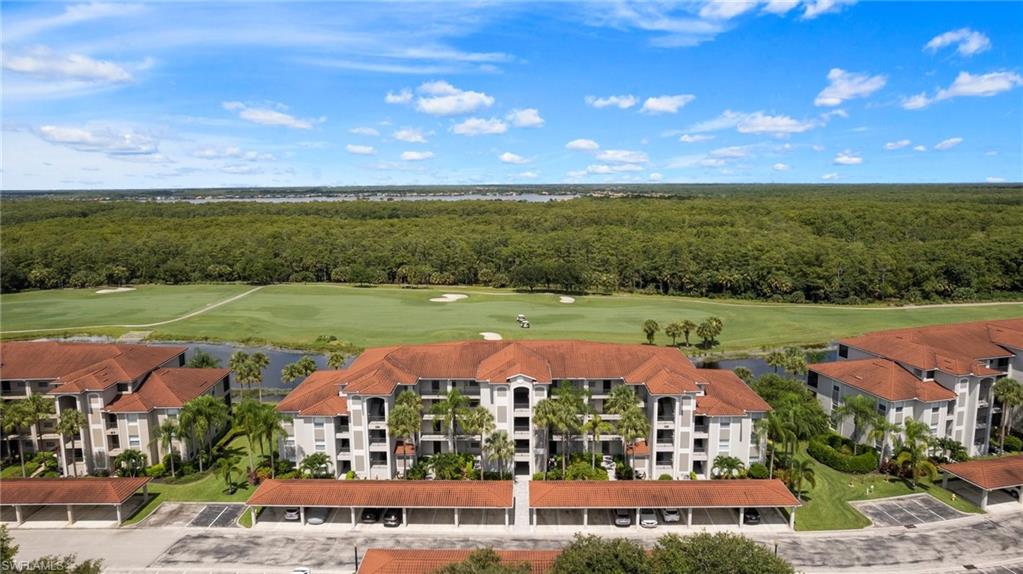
(695, 414)
(941, 375)
(125, 391)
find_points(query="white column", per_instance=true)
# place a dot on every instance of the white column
(70, 514)
(506, 520)
(637, 518)
(404, 516)
(352, 509)
(944, 481)
(118, 514)
(792, 518)
(741, 517)
(456, 517)
(586, 517)
(983, 499)
(689, 517)
(301, 514)
(19, 515)
(255, 515)
(532, 512)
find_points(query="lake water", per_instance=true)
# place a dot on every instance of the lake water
(527, 197)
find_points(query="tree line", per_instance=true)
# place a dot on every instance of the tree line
(815, 245)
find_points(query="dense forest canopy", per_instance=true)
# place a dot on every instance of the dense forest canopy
(807, 244)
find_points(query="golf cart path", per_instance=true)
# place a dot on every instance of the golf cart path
(208, 307)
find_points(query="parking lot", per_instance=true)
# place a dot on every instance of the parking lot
(909, 510)
(418, 519)
(186, 515)
(771, 520)
(86, 516)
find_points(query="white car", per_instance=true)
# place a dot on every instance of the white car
(292, 514)
(623, 517)
(647, 518)
(670, 515)
(316, 516)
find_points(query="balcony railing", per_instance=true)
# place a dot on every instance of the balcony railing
(377, 418)
(700, 428)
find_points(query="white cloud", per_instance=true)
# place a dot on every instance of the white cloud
(526, 118)
(622, 102)
(726, 9)
(655, 176)
(43, 63)
(416, 155)
(409, 135)
(360, 149)
(843, 85)
(948, 144)
(829, 176)
(121, 143)
(995, 179)
(509, 157)
(605, 169)
(269, 117)
(780, 7)
(480, 126)
(233, 152)
(666, 104)
(968, 42)
(814, 8)
(694, 138)
(623, 156)
(919, 148)
(897, 144)
(401, 97)
(241, 169)
(780, 167)
(759, 123)
(847, 158)
(443, 99)
(968, 85)
(582, 145)
(528, 174)
(364, 132)
(731, 152)
(72, 14)
(817, 147)
(727, 119)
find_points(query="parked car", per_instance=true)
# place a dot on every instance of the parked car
(670, 515)
(301, 570)
(648, 518)
(751, 516)
(623, 517)
(607, 462)
(370, 515)
(1015, 492)
(316, 516)
(392, 517)
(292, 514)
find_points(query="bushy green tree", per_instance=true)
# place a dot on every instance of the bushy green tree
(720, 553)
(483, 561)
(595, 555)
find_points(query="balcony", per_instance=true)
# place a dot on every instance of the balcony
(700, 429)
(343, 432)
(377, 418)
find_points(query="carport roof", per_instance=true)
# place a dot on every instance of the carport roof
(384, 493)
(991, 473)
(418, 561)
(54, 491)
(660, 494)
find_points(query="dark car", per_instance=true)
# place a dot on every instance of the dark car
(370, 515)
(392, 517)
(751, 516)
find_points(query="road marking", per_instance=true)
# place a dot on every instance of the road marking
(226, 508)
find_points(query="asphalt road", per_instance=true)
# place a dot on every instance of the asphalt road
(991, 543)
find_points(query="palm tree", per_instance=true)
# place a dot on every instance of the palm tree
(410, 398)
(913, 450)
(225, 467)
(1009, 392)
(271, 424)
(622, 398)
(451, 408)
(316, 465)
(650, 329)
(70, 424)
(500, 448)
(242, 366)
(300, 369)
(633, 425)
(248, 417)
(130, 462)
(165, 435)
(404, 423)
(203, 417)
(801, 470)
(37, 409)
(336, 359)
(863, 411)
(13, 421)
(743, 373)
(775, 431)
(776, 359)
(203, 360)
(688, 326)
(879, 432)
(545, 416)
(593, 427)
(480, 422)
(571, 403)
(795, 360)
(674, 330)
(728, 467)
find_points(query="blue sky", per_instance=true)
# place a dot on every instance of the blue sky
(203, 94)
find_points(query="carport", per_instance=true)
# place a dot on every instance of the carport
(685, 495)
(46, 496)
(988, 475)
(461, 497)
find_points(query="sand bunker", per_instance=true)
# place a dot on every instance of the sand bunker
(566, 299)
(115, 290)
(449, 298)
(488, 336)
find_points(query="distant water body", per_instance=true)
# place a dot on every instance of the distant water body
(527, 197)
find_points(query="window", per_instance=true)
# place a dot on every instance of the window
(723, 436)
(811, 379)
(882, 409)
(122, 387)
(843, 351)
(133, 418)
(95, 403)
(318, 423)
(930, 374)
(898, 410)
(133, 441)
(320, 446)
(836, 394)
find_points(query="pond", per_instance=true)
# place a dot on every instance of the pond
(758, 365)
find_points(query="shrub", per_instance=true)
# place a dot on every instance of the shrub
(178, 467)
(664, 476)
(419, 470)
(155, 471)
(1013, 444)
(290, 474)
(583, 471)
(758, 470)
(624, 472)
(823, 448)
(350, 475)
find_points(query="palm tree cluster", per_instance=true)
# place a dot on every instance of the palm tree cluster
(25, 415)
(261, 424)
(1009, 392)
(248, 369)
(300, 369)
(201, 421)
(790, 359)
(708, 330)
(456, 417)
(563, 412)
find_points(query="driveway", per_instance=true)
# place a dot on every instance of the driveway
(909, 511)
(192, 515)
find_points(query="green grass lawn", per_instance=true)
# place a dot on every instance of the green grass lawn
(294, 315)
(826, 505)
(209, 487)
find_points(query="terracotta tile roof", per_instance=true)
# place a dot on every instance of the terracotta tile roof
(727, 395)
(660, 494)
(317, 395)
(379, 371)
(954, 348)
(44, 491)
(639, 448)
(384, 493)
(81, 365)
(883, 378)
(168, 389)
(421, 561)
(990, 473)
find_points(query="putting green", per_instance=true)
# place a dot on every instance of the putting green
(297, 314)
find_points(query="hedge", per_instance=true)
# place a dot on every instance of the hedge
(1013, 444)
(823, 448)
